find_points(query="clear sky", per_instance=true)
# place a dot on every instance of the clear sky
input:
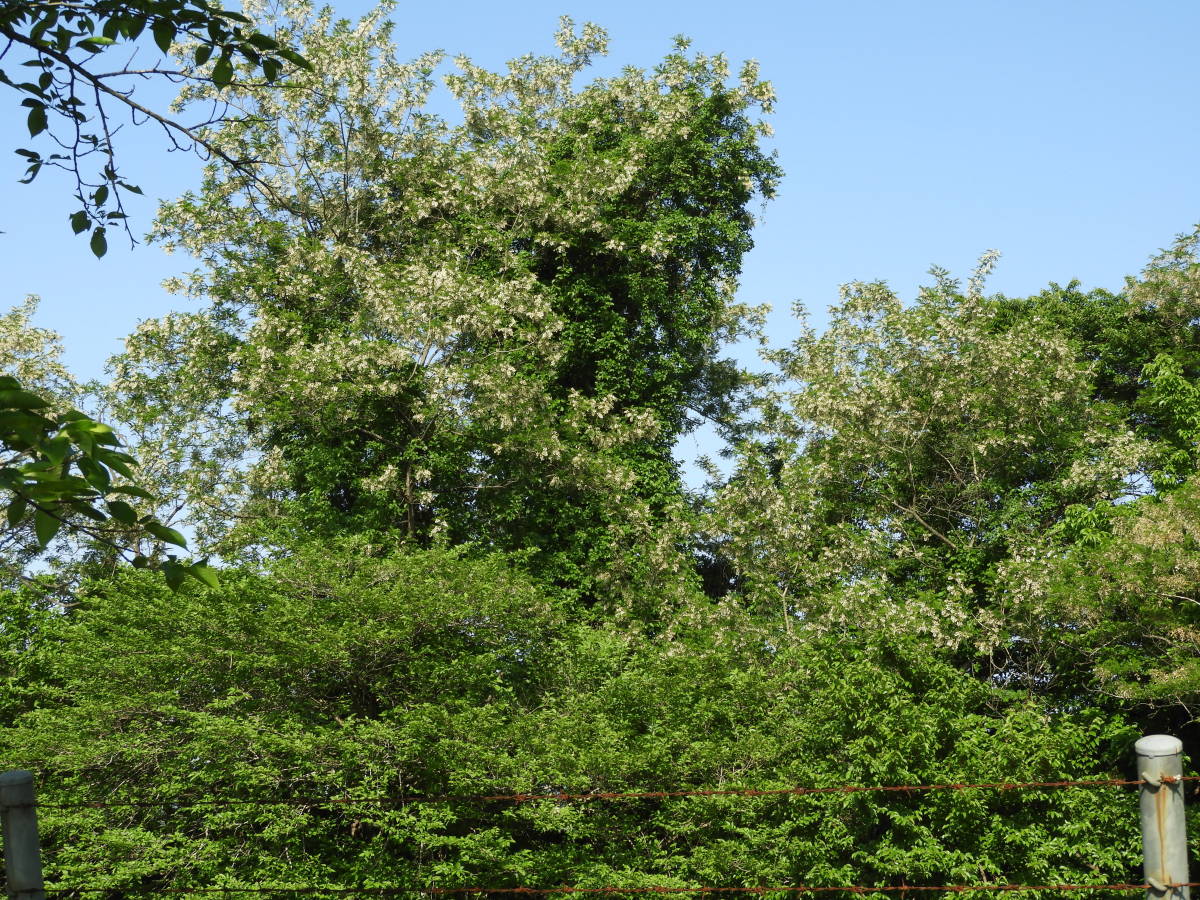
(1064, 134)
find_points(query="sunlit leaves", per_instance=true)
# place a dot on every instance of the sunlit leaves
(61, 468)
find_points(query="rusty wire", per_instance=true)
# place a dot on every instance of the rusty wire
(652, 889)
(564, 797)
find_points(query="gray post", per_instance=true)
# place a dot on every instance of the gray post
(22, 855)
(1164, 840)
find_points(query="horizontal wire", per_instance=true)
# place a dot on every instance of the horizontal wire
(654, 889)
(605, 795)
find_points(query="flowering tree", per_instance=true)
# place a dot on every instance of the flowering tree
(494, 331)
(907, 452)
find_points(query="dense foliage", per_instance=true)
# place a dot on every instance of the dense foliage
(426, 674)
(425, 415)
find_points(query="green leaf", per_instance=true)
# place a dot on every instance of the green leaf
(99, 242)
(204, 573)
(165, 534)
(86, 509)
(222, 72)
(116, 460)
(122, 512)
(95, 43)
(203, 54)
(16, 511)
(271, 68)
(17, 399)
(45, 526)
(130, 491)
(263, 42)
(57, 448)
(97, 476)
(164, 34)
(174, 573)
(101, 195)
(294, 58)
(37, 120)
(79, 221)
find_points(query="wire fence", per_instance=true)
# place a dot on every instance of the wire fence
(594, 796)
(590, 796)
(611, 891)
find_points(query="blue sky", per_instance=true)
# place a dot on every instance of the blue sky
(1062, 133)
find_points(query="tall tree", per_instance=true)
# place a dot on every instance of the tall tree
(493, 332)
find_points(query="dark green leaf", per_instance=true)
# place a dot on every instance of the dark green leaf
(222, 73)
(37, 120)
(97, 476)
(131, 491)
(203, 54)
(86, 509)
(263, 42)
(16, 511)
(163, 533)
(79, 221)
(294, 58)
(164, 34)
(122, 512)
(174, 573)
(99, 242)
(17, 399)
(101, 195)
(45, 526)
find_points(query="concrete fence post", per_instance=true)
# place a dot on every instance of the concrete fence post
(1164, 838)
(22, 853)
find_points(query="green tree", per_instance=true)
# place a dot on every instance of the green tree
(493, 333)
(907, 452)
(1122, 579)
(1014, 478)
